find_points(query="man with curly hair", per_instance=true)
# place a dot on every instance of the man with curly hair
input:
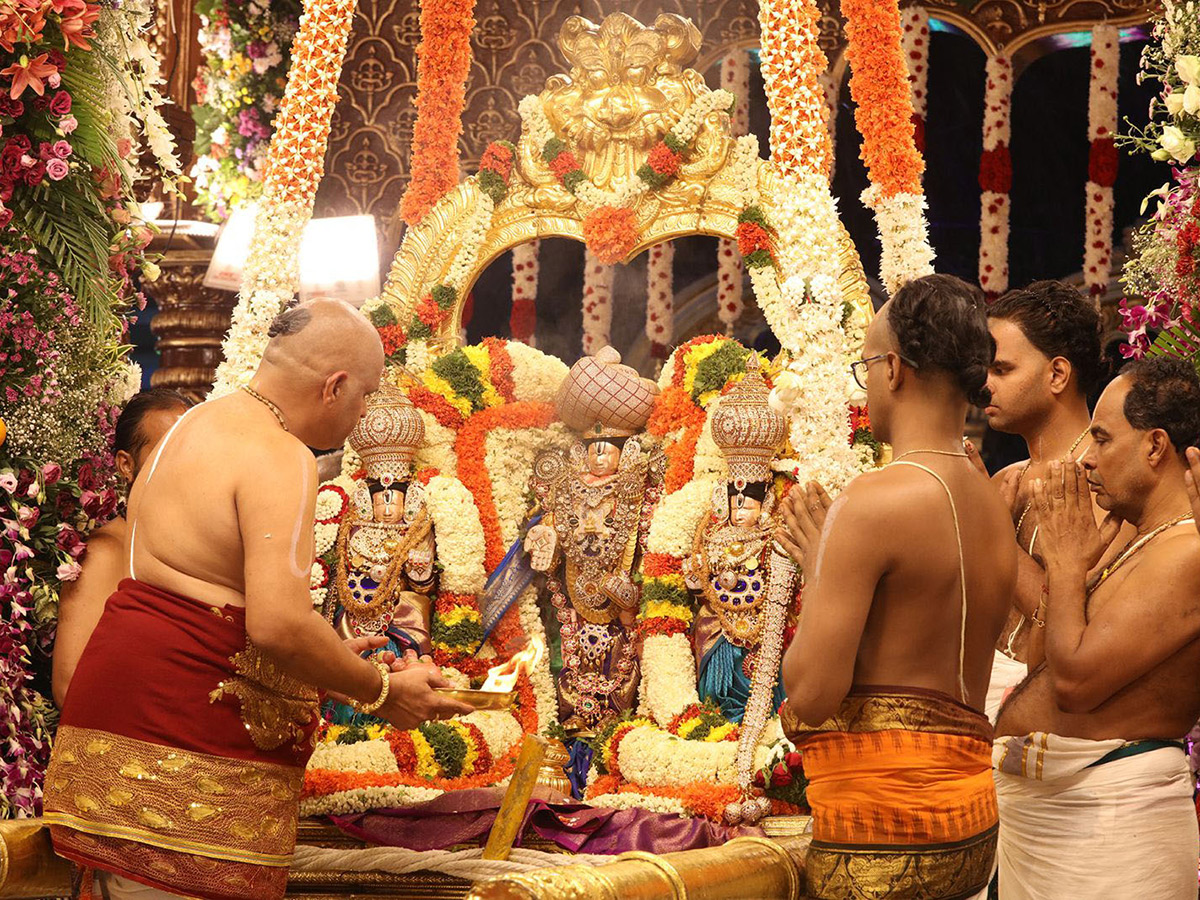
(908, 585)
(1047, 364)
(1093, 783)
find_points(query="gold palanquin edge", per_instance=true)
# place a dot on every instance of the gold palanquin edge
(977, 31)
(424, 257)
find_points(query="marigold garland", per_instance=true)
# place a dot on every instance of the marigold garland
(443, 62)
(294, 168)
(470, 446)
(611, 233)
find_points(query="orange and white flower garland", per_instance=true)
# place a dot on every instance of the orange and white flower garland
(1102, 157)
(735, 78)
(523, 318)
(597, 303)
(879, 84)
(995, 177)
(660, 298)
(294, 169)
(914, 21)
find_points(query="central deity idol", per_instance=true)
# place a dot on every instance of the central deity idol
(596, 499)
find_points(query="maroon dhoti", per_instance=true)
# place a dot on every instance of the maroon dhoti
(181, 750)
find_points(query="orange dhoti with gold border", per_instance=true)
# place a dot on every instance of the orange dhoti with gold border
(180, 755)
(902, 796)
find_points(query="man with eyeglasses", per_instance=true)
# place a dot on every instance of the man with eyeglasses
(908, 585)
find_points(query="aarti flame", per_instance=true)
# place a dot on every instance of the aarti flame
(503, 678)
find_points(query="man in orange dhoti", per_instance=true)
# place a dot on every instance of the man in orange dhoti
(189, 718)
(909, 575)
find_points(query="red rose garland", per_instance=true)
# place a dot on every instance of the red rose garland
(523, 318)
(915, 23)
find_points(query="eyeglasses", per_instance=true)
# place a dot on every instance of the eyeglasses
(859, 367)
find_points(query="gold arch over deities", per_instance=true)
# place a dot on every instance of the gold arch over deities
(638, 88)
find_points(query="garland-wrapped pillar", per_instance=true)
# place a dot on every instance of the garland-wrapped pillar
(597, 303)
(915, 35)
(735, 78)
(660, 299)
(523, 318)
(879, 84)
(995, 178)
(1102, 158)
(294, 168)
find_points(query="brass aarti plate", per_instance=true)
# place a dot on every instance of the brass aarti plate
(481, 699)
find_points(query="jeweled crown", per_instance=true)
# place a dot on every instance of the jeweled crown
(388, 436)
(746, 430)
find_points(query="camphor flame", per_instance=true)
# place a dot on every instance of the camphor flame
(503, 678)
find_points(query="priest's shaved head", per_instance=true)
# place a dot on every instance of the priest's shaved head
(322, 361)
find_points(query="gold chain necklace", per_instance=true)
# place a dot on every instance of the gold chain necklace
(934, 452)
(1135, 545)
(1021, 477)
(268, 404)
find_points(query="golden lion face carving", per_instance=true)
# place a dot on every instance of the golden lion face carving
(627, 86)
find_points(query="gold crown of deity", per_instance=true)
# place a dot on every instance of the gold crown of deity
(601, 398)
(745, 428)
(388, 435)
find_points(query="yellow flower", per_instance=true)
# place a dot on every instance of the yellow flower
(665, 609)
(461, 614)
(695, 356)
(720, 732)
(427, 766)
(441, 386)
(688, 727)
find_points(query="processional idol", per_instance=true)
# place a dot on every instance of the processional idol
(384, 578)
(595, 499)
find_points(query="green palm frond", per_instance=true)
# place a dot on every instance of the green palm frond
(72, 230)
(1181, 339)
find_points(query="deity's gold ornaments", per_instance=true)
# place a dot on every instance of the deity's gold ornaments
(596, 499)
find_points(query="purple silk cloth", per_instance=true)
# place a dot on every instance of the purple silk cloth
(460, 817)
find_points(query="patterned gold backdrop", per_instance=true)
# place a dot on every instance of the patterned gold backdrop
(514, 47)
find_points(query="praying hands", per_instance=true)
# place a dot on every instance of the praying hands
(804, 512)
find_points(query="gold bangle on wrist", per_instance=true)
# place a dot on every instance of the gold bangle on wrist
(385, 676)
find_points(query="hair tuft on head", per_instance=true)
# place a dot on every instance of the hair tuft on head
(1164, 393)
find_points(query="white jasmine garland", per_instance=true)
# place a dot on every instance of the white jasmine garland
(536, 375)
(364, 756)
(668, 684)
(632, 800)
(678, 515)
(735, 78)
(458, 535)
(544, 689)
(903, 236)
(360, 799)
(914, 21)
(525, 276)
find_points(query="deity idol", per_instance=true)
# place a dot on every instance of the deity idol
(385, 549)
(731, 564)
(596, 499)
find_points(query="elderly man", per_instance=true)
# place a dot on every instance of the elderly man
(190, 715)
(1092, 777)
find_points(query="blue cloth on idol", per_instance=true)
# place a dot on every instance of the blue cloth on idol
(578, 766)
(723, 681)
(398, 641)
(506, 583)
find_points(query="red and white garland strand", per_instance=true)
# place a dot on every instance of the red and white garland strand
(523, 318)
(995, 177)
(914, 21)
(660, 299)
(1102, 158)
(597, 304)
(735, 78)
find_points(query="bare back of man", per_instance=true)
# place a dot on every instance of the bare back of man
(217, 467)
(1151, 689)
(912, 633)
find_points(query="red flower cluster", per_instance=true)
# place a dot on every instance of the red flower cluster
(663, 161)
(564, 164)
(430, 313)
(752, 237)
(1102, 162)
(611, 233)
(995, 170)
(497, 158)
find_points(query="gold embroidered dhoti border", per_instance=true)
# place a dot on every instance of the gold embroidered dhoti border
(842, 872)
(192, 818)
